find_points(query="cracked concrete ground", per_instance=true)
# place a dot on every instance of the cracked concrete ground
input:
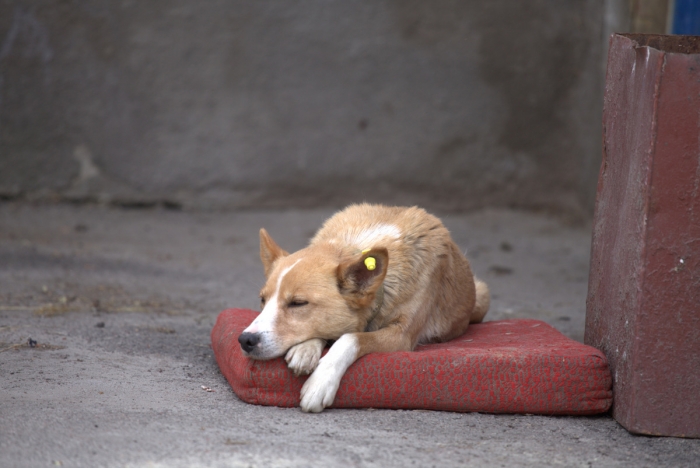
(121, 303)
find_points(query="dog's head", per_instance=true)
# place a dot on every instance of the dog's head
(322, 291)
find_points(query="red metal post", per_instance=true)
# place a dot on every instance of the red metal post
(643, 308)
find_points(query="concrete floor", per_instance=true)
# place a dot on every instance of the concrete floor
(121, 303)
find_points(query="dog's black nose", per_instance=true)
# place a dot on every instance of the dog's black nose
(248, 341)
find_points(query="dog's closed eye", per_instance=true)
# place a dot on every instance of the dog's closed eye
(297, 303)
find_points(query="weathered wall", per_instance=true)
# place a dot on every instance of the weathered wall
(456, 104)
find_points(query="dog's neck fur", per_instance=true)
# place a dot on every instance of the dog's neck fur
(378, 302)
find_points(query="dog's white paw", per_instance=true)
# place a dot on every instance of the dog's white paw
(303, 358)
(319, 392)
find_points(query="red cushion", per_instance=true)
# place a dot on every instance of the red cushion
(508, 366)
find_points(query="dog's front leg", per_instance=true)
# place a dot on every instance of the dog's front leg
(303, 358)
(319, 390)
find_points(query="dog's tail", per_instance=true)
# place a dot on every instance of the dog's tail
(483, 301)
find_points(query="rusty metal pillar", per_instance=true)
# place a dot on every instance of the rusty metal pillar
(643, 307)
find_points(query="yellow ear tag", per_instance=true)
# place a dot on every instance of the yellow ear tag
(370, 263)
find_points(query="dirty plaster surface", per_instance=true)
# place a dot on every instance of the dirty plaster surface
(121, 304)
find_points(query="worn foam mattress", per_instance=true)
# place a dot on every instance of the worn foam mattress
(507, 366)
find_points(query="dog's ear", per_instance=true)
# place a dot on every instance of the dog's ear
(269, 251)
(361, 275)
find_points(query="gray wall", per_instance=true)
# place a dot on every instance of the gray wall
(450, 104)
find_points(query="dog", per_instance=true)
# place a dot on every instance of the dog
(373, 279)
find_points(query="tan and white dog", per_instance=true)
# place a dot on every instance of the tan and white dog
(375, 279)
